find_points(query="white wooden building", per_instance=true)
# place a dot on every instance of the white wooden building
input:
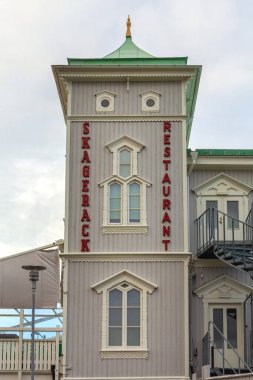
(158, 248)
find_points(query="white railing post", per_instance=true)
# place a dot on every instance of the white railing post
(20, 344)
(57, 356)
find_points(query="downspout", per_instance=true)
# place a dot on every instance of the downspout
(194, 155)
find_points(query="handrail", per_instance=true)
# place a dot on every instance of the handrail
(240, 359)
(215, 226)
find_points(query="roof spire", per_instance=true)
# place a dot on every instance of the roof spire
(128, 24)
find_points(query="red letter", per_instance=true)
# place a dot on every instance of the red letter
(84, 245)
(166, 230)
(166, 126)
(85, 144)
(166, 139)
(166, 152)
(86, 171)
(85, 216)
(166, 204)
(86, 129)
(166, 178)
(166, 191)
(85, 188)
(86, 157)
(85, 200)
(166, 218)
(166, 243)
(84, 233)
(166, 162)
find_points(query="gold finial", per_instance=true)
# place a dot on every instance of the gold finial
(128, 31)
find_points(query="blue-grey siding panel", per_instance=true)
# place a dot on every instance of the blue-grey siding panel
(150, 167)
(126, 102)
(166, 316)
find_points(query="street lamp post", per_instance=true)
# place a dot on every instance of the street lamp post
(33, 277)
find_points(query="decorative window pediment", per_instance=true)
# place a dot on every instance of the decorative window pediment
(124, 208)
(223, 289)
(105, 101)
(150, 101)
(124, 315)
(222, 184)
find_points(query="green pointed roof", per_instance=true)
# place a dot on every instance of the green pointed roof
(129, 50)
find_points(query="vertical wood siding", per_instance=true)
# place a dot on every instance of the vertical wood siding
(150, 167)
(165, 321)
(199, 176)
(126, 102)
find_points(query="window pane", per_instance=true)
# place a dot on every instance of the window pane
(133, 316)
(124, 163)
(134, 189)
(115, 317)
(233, 210)
(212, 215)
(115, 190)
(218, 321)
(115, 203)
(134, 216)
(133, 336)
(115, 298)
(232, 327)
(134, 202)
(133, 298)
(115, 336)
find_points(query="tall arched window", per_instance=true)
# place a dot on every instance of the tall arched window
(134, 202)
(125, 157)
(115, 203)
(124, 321)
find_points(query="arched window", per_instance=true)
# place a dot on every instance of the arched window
(124, 317)
(125, 157)
(134, 202)
(115, 203)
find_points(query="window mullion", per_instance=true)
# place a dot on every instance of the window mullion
(124, 320)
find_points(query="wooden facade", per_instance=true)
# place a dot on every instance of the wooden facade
(161, 249)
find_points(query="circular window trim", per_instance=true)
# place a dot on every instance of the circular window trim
(155, 107)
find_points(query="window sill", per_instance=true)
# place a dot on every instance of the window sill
(134, 229)
(124, 354)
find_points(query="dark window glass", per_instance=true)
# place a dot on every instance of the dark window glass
(150, 102)
(218, 321)
(105, 103)
(133, 336)
(212, 213)
(134, 202)
(232, 327)
(115, 336)
(115, 318)
(115, 203)
(233, 211)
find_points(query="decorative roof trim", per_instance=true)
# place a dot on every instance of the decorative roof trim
(117, 178)
(150, 92)
(105, 92)
(128, 141)
(218, 177)
(127, 276)
(119, 118)
(208, 287)
(125, 257)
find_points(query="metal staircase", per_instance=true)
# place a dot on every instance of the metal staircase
(222, 236)
(211, 349)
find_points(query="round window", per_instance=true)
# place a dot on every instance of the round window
(150, 102)
(105, 103)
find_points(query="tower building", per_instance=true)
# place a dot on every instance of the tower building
(146, 266)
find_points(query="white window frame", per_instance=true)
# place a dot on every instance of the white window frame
(144, 287)
(110, 96)
(125, 226)
(150, 95)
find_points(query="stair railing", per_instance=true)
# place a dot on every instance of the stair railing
(209, 348)
(216, 227)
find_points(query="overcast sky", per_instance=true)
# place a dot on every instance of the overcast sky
(34, 34)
